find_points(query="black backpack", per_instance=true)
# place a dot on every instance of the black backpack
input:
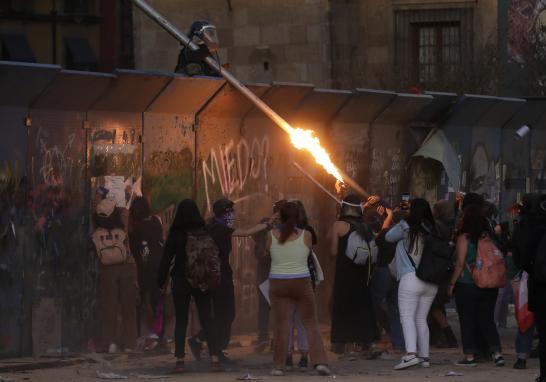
(436, 264)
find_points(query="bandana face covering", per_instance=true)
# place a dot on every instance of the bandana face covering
(228, 219)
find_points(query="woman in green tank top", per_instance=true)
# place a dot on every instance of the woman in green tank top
(475, 306)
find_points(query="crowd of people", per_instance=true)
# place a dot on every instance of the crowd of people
(396, 270)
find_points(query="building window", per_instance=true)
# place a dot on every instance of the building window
(438, 52)
(79, 55)
(433, 46)
(15, 47)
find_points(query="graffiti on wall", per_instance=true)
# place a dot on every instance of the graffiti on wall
(42, 233)
(484, 175)
(387, 166)
(63, 267)
(523, 17)
(115, 151)
(170, 176)
(244, 280)
(237, 170)
(12, 206)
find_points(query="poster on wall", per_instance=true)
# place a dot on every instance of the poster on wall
(116, 187)
(524, 16)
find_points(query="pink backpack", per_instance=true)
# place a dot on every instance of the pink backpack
(489, 270)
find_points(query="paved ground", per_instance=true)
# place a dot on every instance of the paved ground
(158, 367)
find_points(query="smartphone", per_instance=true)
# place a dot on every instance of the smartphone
(405, 197)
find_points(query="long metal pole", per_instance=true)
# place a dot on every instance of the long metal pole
(233, 81)
(316, 182)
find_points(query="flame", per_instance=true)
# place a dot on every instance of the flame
(307, 140)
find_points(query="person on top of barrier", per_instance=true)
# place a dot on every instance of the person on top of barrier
(191, 62)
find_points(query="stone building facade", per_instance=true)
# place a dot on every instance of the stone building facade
(391, 44)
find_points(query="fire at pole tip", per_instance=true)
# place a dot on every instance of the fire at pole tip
(301, 139)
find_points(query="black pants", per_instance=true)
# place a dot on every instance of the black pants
(476, 308)
(182, 294)
(540, 320)
(262, 274)
(223, 314)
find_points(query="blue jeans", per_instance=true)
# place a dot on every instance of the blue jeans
(384, 290)
(524, 342)
(303, 341)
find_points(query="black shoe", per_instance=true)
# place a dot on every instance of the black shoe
(467, 362)
(289, 363)
(225, 360)
(520, 364)
(195, 348)
(304, 362)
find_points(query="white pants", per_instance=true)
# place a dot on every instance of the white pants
(414, 300)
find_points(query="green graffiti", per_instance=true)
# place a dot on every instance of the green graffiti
(169, 177)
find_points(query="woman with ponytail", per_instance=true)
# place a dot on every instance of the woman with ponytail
(290, 285)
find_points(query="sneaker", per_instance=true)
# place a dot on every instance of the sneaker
(225, 360)
(195, 347)
(304, 362)
(467, 362)
(113, 348)
(498, 360)
(276, 373)
(424, 362)
(179, 367)
(374, 352)
(323, 370)
(289, 363)
(407, 361)
(520, 364)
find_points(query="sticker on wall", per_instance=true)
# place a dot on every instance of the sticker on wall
(116, 187)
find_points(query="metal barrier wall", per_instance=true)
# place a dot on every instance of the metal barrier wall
(173, 137)
(392, 144)
(63, 274)
(19, 241)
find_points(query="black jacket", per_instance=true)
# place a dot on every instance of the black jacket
(525, 242)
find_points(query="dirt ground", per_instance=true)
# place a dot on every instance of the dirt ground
(142, 367)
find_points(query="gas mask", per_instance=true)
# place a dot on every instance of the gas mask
(350, 209)
(207, 35)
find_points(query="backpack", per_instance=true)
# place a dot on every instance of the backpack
(359, 250)
(110, 245)
(539, 269)
(489, 270)
(436, 264)
(202, 261)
